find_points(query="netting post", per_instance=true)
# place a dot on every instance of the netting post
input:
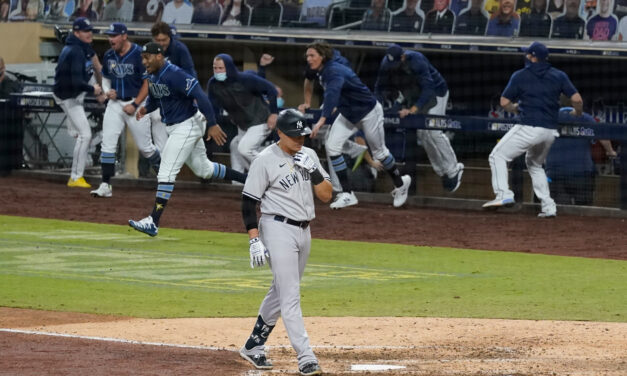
(623, 175)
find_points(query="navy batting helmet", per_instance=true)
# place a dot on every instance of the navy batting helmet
(293, 123)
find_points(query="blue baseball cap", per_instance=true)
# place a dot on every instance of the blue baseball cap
(152, 48)
(394, 52)
(82, 24)
(538, 50)
(116, 28)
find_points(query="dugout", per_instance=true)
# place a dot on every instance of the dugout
(476, 69)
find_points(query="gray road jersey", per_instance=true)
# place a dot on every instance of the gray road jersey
(282, 187)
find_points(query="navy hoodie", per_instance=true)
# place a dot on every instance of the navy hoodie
(248, 98)
(537, 89)
(74, 69)
(343, 90)
(416, 78)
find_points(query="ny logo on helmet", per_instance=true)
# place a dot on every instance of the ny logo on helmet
(299, 124)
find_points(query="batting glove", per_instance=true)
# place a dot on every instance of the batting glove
(258, 253)
(305, 161)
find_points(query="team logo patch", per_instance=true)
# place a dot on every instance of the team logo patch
(390, 57)
(189, 82)
(299, 124)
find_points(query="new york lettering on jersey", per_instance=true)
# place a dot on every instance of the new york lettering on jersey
(292, 179)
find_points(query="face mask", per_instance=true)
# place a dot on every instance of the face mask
(220, 76)
(280, 102)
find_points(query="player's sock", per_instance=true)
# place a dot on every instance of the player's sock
(260, 334)
(155, 160)
(341, 170)
(220, 171)
(389, 163)
(164, 191)
(107, 162)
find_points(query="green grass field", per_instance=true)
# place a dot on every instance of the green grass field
(108, 269)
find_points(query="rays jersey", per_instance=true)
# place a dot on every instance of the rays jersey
(282, 187)
(125, 72)
(171, 89)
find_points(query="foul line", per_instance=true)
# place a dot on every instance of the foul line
(163, 344)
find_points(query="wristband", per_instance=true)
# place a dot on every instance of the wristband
(134, 104)
(316, 177)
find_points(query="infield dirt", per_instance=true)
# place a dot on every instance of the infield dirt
(425, 346)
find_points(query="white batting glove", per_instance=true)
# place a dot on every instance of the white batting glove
(258, 253)
(305, 161)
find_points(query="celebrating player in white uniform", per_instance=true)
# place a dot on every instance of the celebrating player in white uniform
(358, 109)
(122, 73)
(281, 178)
(536, 89)
(179, 98)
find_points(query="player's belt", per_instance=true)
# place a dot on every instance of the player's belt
(125, 99)
(292, 222)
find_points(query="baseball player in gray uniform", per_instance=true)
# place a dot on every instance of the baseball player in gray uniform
(281, 178)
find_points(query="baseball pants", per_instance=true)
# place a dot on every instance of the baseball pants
(371, 125)
(289, 248)
(159, 131)
(246, 145)
(113, 124)
(536, 143)
(185, 145)
(437, 145)
(79, 128)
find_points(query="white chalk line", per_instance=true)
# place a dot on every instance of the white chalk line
(164, 344)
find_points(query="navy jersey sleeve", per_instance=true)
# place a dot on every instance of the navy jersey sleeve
(106, 73)
(567, 86)
(420, 67)
(185, 59)
(78, 67)
(381, 83)
(150, 105)
(189, 86)
(334, 81)
(217, 108)
(262, 86)
(512, 90)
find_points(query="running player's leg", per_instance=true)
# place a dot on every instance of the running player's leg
(78, 118)
(341, 130)
(535, 157)
(141, 131)
(112, 126)
(289, 248)
(515, 142)
(437, 145)
(159, 131)
(201, 165)
(238, 162)
(372, 125)
(178, 147)
(250, 143)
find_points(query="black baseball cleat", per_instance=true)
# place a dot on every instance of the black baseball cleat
(259, 361)
(309, 369)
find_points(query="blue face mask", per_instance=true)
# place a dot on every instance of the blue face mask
(280, 102)
(220, 76)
